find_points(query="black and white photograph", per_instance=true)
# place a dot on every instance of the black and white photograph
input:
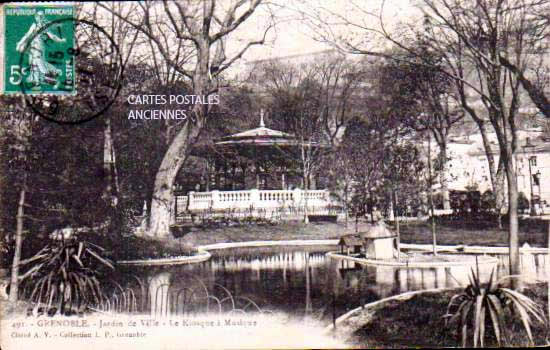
(274, 174)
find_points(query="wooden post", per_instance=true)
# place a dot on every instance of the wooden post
(398, 239)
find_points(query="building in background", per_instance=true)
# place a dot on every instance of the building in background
(468, 167)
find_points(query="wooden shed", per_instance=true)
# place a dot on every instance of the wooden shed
(350, 243)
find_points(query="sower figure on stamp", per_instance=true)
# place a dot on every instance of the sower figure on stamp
(40, 69)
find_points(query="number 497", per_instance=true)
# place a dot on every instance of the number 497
(17, 73)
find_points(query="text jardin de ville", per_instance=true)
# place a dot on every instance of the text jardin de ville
(164, 100)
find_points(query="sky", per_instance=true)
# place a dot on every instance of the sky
(293, 33)
(294, 36)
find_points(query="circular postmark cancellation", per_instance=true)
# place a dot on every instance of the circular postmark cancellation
(70, 83)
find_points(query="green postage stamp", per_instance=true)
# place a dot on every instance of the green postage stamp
(38, 55)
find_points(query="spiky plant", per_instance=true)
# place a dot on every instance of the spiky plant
(492, 303)
(65, 275)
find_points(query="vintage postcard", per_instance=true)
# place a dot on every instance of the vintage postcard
(282, 174)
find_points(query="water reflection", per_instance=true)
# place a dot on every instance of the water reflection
(296, 281)
(534, 267)
(159, 286)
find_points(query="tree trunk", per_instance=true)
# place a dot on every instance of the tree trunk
(108, 164)
(110, 190)
(496, 174)
(306, 213)
(513, 242)
(23, 133)
(306, 173)
(161, 203)
(346, 204)
(431, 196)
(500, 198)
(397, 231)
(503, 121)
(443, 175)
(14, 283)
(163, 195)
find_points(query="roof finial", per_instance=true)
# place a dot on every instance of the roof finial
(262, 124)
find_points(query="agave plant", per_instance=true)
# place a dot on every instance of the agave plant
(493, 305)
(64, 275)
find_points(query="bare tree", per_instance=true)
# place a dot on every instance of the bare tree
(202, 29)
(343, 83)
(534, 75)
(123, 33)
(430, 105)
(471, 36)
(405, 38)
(295, 102)
(475, 35)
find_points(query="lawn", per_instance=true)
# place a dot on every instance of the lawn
(286, 230)
(448, 233)
(461, 232)
(473, 233)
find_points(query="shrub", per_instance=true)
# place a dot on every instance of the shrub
(65, 274)
(478, 304)
(488, 201)
(464, 220)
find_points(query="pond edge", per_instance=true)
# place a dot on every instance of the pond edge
(204, 255)
(177, 260)
(297, 242)
(379, 304)
(484, 260)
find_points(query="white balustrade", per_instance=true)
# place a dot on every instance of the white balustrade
(257, 199)
(200, 200)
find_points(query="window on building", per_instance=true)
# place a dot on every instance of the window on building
(533, 160)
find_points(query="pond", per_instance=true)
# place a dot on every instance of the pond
(290, 280)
